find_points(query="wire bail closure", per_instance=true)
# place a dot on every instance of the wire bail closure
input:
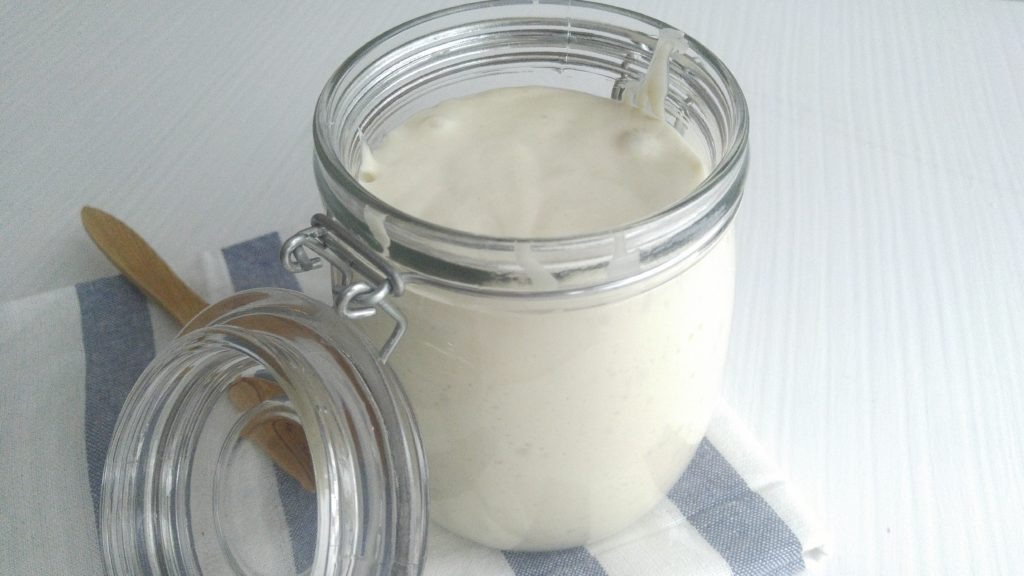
(349, 256)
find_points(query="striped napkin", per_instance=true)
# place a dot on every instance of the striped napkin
(68, 358)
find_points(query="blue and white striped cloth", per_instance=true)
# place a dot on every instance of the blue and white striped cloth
(68, 358)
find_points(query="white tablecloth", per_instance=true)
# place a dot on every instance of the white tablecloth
(878, 348)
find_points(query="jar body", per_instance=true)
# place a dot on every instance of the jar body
(548, 428)
(560, 385)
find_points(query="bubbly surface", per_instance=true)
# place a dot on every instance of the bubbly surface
(532, 162)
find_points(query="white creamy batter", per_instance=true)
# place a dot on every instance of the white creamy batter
(532, 162)
(548, 429)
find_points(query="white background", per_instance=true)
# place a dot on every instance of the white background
(878, 346)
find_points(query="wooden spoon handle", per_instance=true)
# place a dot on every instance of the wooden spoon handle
(282, 439)
(141, 264)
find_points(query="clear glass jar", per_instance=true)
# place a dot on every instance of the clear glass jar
(560, 386)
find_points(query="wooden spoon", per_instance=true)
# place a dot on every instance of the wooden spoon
(282, 439)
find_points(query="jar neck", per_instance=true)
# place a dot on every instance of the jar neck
(583, 46)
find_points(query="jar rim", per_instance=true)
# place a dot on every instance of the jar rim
(706, 199)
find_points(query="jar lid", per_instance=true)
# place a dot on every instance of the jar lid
(269, 438)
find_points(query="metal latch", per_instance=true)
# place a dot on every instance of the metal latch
(350, 257)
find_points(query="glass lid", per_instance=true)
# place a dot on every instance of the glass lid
(269, 438)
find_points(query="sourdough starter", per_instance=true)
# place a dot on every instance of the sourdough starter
(549, 428)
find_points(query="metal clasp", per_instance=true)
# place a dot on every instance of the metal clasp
(349, 256)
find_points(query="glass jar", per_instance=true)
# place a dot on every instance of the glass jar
(560, 385)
